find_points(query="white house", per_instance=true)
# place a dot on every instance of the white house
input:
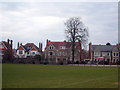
(29, 49)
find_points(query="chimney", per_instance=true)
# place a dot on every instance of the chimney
(47, 42)
(18, 45)
(11, 43)
(41, 47)
(8, 41)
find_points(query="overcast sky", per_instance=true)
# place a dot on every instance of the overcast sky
(37, 21)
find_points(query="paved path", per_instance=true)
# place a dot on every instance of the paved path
(94, 65)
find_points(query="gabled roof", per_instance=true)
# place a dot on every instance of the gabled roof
(33, 49)
(7, 46)
(29, 46)
(104, 48)
(21, 48)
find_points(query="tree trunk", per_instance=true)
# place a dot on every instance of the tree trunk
(80, 51)
(73, 51)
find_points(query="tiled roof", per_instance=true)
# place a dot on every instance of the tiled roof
(28, 46)
(58, 44)
(104, 48)
(7, 45)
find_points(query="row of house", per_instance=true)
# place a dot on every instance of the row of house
(109, 53)
(61, 52)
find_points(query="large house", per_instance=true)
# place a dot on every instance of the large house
(60, 52)
(108, 53)
(6, 50)
(28, 50)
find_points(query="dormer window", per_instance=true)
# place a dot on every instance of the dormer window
(62, 47)
(51, 48)
(29, 47)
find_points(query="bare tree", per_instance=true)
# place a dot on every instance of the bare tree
(76, 32)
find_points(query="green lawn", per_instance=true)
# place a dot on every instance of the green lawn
(58, 76)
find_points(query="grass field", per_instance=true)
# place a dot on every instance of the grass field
(58, 76)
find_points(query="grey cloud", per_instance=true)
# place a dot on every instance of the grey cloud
(20, 18)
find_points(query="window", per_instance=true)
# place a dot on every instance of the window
(97, 53)
(114, 60)
(20, 52)
(60, 53)
(95, 60)
(51, 53)
(29, 47)
(62, 47)
(108, 54)
(116, 54)
(64, 54)
(33, 52)
(117, 60)
(51, 48)
(1, 52)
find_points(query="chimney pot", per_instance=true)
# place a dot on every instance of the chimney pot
(11, 43)
(8, 41)
(39, 45)
(18, 44)
(64, 40)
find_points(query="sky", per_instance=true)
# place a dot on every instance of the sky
(34, 22)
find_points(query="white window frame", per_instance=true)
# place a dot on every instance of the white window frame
(117, 54)
(19, 52)
(1, 52)
(96, 53)
(62, 47)
(51, 48)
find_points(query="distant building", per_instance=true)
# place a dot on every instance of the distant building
(61, 52)
(29, 49)
(6, 50)
(108, 53)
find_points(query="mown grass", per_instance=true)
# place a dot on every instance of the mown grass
(58, 76)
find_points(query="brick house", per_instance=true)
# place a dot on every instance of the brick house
(6, 52)
(108, 53)
(60, 52)
(28, 50)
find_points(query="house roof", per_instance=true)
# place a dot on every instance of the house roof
(58, 44)
(8, 46)
(104, 48)
(21, 48)
(29, 46)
